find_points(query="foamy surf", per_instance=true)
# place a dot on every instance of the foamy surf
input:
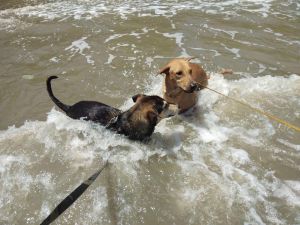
(204, 149)
(225, 164)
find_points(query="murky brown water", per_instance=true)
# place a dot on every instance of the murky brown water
(224, 165)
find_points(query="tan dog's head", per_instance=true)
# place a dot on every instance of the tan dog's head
(153, 108)
(180, 71)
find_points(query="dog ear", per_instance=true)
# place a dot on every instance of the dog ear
(152, 117)
(136, 97)
(190, 58)
(164, 70)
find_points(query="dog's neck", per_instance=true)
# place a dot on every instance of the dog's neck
(171, 87)
(133, 125)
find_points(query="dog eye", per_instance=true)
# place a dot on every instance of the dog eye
(179, 74)
(159, 107)
(190, 71)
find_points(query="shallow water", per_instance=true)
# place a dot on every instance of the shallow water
(224, 165)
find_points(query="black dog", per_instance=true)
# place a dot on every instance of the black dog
(137, 123)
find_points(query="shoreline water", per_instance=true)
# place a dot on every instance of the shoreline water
(224, 165)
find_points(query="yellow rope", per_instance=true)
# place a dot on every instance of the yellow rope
(270, 116)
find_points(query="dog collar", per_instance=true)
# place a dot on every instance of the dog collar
(112, 121)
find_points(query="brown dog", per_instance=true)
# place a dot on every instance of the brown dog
(138, 122)
(182, 80)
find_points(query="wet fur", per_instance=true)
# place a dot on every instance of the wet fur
(138, 122)
(182, 79)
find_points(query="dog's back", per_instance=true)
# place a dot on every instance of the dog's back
(138, 122)
(87, 110)
(199, 75)
(94, 111)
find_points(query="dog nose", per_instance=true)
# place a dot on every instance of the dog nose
(172, 109)
(193, 86)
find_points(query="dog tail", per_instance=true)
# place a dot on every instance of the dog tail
(61, 105)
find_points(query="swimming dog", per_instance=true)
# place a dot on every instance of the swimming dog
(137, 123)
(182, 81)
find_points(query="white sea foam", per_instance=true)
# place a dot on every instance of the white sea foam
(231, 33)
(177, 36)
(228, 172)
(289, 192)
(80, 46)
(179, 41)
(10, 24)
(288, 144)
(239, 156)
(213, 155)
(6, 161)
(235, 51)
(149, 61)
(54, 59)
(113, 37)
(87, 10)
(110, 59)
(99, 203)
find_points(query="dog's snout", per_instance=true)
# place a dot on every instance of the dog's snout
(173, 108)
(166, 105)
(169, 110)
(193, 86)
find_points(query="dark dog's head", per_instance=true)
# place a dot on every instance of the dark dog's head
(139, 121)
(180, 71)
(153, 108)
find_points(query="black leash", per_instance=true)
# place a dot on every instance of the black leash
(71, 198)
